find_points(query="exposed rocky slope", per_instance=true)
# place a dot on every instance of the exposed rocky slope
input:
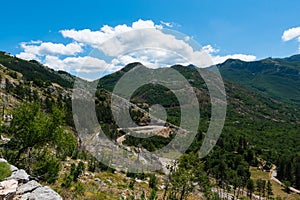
(19, 186)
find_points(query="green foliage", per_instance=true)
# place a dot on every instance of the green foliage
(153, 194)
(269, 189)
(39, 141)
(152, 181)
(131, 183)
(78, 171)
(276, 78)
(183, 176)
(250, 187)
(13, 74)
(261, 187)
(44, 166)
(287, 185)
(67, 181)
(4, 171)
(34, 71)
(79, 189)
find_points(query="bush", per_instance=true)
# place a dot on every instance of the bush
(4, 171)
(152, 181)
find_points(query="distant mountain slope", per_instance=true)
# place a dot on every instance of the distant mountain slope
(34, 71)
(276, 78)
(242, 101)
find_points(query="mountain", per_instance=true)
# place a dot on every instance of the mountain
(259, 128)
(34, 71)
(273, 77)
(241, 99)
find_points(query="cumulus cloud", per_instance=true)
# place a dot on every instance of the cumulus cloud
(142, 41)
(209, 49)
(85, 64)
(291, 33)
(96, 38)
(39, 48)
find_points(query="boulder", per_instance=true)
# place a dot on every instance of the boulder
(3, 160)
(23, 197)
(19, 175)
(44, 193)
(8, 188)
(28, 187)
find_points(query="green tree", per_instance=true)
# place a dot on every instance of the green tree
(186, 172)
(152, 181)
(78, 171)
(287, 185)
(269, 189)
(250, 187)
(39, 141)
(259, 186)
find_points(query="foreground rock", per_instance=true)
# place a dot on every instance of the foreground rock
(19, 187)
(20, 175)
(28, 187)
(8, 189)
(44, 193)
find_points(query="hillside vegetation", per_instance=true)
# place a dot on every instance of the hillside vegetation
(260, 130)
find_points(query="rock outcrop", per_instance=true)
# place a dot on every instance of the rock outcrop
(19, 187)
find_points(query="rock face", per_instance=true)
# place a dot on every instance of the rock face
(19, 175)
(8, 189)
(44, 193)
(28, 187)
(19, 187)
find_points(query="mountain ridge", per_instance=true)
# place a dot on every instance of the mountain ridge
(277, 78)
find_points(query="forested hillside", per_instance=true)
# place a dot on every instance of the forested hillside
(260, 131)
(273, 77)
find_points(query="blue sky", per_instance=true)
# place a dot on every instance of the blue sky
(252, 27)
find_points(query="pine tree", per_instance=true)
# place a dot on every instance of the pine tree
(269, 189)
(250, 187)
(259, 186)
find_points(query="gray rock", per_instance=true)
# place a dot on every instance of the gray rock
(44, 193)
(3, 160)
(98, 180)
(19, 175)
(28, 187)
(13, 168)
(23, 197)
(8, 188)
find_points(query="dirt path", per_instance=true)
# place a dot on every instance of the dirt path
(273, 174)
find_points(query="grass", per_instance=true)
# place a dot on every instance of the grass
(277, 188)
(4, 171)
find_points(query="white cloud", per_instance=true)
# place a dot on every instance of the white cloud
(209, 49)
(34, 49)
(167, 24)
(95, 38)
(291, 33)
(85, 64)
(143, 41)
(27, 56)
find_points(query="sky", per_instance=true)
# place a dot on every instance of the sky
(73, 35)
